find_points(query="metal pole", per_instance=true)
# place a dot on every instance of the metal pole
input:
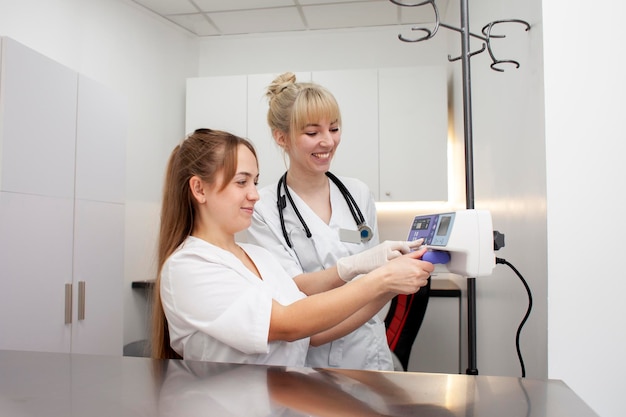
(469, 179)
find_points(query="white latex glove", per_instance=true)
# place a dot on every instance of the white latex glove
(368, 260)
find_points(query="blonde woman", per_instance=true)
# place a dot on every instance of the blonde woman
(312, 220)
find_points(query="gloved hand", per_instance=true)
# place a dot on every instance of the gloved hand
(370, 259)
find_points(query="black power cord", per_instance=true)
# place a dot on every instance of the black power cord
(530, 306)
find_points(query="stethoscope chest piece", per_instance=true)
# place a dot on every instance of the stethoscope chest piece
(366, 233)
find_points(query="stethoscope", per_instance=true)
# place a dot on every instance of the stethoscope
(364, 230)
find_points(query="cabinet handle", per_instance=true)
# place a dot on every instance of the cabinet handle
(68, 303)
(81, 300)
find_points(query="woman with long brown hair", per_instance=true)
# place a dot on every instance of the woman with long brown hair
(219, 300)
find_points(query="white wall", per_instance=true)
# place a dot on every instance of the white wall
(147, 62)
(585, 146)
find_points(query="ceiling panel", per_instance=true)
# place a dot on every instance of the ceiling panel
(196, 23)
(167, 7)
(229, 17)
(283, 19)
(350, 15)
(310, 2)
(226, 5)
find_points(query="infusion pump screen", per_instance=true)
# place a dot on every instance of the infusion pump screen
(444, 224)
(421, 223)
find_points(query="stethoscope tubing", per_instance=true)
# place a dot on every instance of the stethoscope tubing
(357, 215)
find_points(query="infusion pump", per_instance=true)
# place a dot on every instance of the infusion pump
(462, 240)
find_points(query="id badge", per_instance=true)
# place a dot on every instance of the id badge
(362, 235)
(349, 236)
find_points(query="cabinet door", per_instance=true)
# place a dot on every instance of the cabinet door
(38, 129)
(356, 92)
(101, 128)
(217, 103)
(413, 134)
(99, 220)
(99, 267)
(35, 264)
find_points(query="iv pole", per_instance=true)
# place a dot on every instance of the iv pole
(467, 128)
(469, 180)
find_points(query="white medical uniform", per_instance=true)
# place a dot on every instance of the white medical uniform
(366, 347)
(217, 310)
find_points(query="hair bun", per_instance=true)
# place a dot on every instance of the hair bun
(280, 83)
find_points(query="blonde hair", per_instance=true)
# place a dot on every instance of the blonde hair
(293, 105)
(204, 153)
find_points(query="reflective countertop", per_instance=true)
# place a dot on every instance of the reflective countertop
(55, 384)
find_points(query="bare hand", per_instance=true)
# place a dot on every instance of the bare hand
(406, 274)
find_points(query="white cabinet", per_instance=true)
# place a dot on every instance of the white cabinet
(99, 267)
(413, 140)
(62, 147)
(36, 235)
(99, 220)
(394, 133)
(38, 123)
(356, 92)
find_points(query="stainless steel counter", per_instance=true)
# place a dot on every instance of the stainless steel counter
(63, 385)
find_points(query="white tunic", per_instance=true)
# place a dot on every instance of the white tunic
(219, 311)
(366, 347)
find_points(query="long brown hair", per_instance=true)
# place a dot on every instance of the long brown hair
(204, 153)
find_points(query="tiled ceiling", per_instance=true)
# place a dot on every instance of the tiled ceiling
(232, 17)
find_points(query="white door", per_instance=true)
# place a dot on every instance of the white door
(413, 134)
(36, 234)
(38, 129)
(98, 278)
